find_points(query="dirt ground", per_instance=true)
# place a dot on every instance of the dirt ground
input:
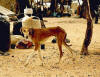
(80, 66)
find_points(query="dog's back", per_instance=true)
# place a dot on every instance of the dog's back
(49, 30)
(44, 33)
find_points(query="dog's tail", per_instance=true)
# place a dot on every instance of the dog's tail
(67, 46)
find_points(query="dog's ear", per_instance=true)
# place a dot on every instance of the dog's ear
(31, 31)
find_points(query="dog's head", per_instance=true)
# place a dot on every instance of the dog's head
(27, 32)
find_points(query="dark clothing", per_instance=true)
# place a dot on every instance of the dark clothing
(23, 4)
(94, 4)
(4, 35)
(20, 6)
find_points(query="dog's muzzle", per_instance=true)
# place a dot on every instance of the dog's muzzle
(26, 37)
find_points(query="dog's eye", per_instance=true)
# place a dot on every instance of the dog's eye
(24, 31)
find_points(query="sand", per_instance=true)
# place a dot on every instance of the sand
(78, 66)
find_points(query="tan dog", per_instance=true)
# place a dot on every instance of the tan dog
(38, 35)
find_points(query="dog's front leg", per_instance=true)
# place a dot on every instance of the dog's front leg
(40, 54)
(37, 48)
(29, 57)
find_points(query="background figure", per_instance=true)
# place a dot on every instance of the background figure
(40, 15)
(94, 4)
(20, 6)
(69, 2)
(38, 11)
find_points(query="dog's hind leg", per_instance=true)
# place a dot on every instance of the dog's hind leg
(60, 49)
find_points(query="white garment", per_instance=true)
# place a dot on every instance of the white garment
(28, 11)
(80, 2)
(36, 1)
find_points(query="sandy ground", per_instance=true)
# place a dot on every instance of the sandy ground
(81, 66)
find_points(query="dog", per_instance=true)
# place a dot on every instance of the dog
(40, 35)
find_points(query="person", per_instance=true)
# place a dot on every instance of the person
(20, 6)
(40, 15)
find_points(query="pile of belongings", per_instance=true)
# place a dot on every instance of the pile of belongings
(24, 44)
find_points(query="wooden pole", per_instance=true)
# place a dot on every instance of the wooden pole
(89, 30)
